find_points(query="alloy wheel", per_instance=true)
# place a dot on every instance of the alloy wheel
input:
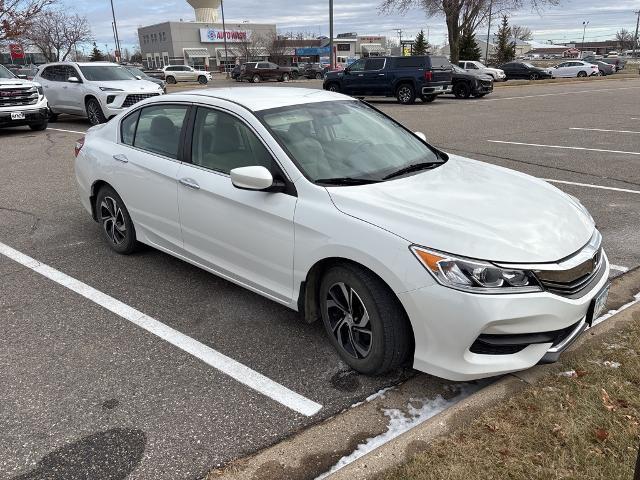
(113, 221)
(349, 320)
(93, 113)
(404, 94)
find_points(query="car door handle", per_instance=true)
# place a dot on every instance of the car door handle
(189, 182)
(361, 74)
(120, 157)
(381, 74)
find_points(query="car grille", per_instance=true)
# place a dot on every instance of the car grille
(136, 97)
(17, 97)
(486, 83)
(569, 283)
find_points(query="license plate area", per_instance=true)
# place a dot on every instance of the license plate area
(17, 115)
(597, 305)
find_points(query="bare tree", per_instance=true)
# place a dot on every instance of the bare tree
(520, 32)
(462, 15)
(276, 46)
(251, 48)
(16, 16)
(624, 39)
(57, 33)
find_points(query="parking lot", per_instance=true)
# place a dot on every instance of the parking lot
(161, 370)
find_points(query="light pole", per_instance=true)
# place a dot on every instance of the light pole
(486, 51)
(331, 35)
(584, 29)
(635, 38)
(224, 37)
(399, 30)
(115, 30)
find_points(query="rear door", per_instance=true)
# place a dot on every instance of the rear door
(376, 78)
(73, 93)
(52, 85)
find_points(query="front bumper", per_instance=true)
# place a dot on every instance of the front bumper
(114, 103)
(34, 114)
(447, 322)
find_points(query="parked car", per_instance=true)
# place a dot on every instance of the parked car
(140, 75)
(618, 62)
(467, 83)
(25, 72)
(605, 68)
(22, 102)
(95, 90)
(235, 72)
(574, 68)
(159, 74)
(315, 70)
(256, 72)
(185, 73)
(478, 67)
(523, 71)
(296, 69)
(407, 255)
(403, 77)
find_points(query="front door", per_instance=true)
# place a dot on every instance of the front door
(375, 77)
(353, 78)
(247, 236)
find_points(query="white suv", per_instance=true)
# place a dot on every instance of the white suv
(96, 90)
(185, 73)
(478, 67)
(21, 102)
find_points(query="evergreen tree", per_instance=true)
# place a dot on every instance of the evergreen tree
(469, 49)
(96, 54)
(505, 45)
(420, 45)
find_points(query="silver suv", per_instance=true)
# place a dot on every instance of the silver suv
(185, 73)
(21, 102)
(96, 90)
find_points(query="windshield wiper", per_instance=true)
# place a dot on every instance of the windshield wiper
(346, 181)
(412, 168)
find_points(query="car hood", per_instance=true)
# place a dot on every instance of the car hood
(474, 209)
(16, 82)
(131, 86)
(494, 70)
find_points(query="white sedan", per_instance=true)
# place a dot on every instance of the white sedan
(574, 68)
(408, 255)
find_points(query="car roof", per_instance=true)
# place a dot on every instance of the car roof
(264, 98)
(82, 64)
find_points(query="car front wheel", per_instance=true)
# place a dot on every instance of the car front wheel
(202, 80)
(364, 320)
(94, 112)
(461, 90)
(117, 226)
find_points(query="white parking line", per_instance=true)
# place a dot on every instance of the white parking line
(565, 147)
(226, 365)
(602, 130)
(589, 185)
(618, 268)
(68, 131)
(574, 92)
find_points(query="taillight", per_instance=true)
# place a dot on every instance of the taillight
(428, 76)
(79, 145)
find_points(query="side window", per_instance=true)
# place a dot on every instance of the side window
(472, 66)
(374, 64)
(263, 65)
(439, 62)
(462, 65)
(69, 71)
(159, 129)
(47, 73)
(357, 66)
(222, 142)
(128, 128)
(410, 62)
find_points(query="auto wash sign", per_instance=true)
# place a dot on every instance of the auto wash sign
(215, 35)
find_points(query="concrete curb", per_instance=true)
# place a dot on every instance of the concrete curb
(316, 449)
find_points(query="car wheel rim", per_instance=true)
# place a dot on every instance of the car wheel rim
(333, 88)
(404, 94)
(256, 79)
(113, 222)
(92, 113)
(349, 320)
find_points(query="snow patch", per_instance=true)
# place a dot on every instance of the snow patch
(609, 364)
(401, 422)
(370, 398)
(568, 373)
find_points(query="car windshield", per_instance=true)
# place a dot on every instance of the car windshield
(346, 140)
(137, 71)
(4, 73)
(106, 73)
(479, 65)
(528, 65)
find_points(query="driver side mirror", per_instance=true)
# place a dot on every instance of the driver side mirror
(73, 80)
(255, 178)
(138, 77)
(421, 136)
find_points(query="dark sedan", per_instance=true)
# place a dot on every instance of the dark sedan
(523, 71)
(143, 76)
(467, 84)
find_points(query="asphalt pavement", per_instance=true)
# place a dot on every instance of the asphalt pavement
(82, 387)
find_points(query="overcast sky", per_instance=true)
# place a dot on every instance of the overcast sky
(560, 24)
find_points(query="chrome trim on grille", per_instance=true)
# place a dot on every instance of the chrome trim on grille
(581, 327)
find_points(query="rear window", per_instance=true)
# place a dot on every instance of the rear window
(410, 62)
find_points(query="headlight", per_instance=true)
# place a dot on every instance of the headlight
(109, 89)
(475, 276)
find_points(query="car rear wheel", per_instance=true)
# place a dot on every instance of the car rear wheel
(202, 80)
(461, 90)
(255, 79)
(582, 74)
(333, 87)
(318, 76)
(117, 226)
(405, 94)
(171, 80)
(53, 117)
(285, 77)
(94, 112)
(364, 320)
(534, 76)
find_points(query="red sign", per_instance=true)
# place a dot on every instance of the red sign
(16, 51)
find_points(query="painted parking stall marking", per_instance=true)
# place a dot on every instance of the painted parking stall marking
(603, 130)
(565, 147)
(589, 185)
(217, 360)
(67, 131)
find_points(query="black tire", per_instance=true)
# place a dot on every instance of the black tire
(534, 76)
(295, 75)
(202, 80)
(406, 94)
(94, 112)
(256, 78)
(390, 342)
(582, 74)
(170, 80)
(318, 76)
(38, 127)
(285, 77)
(428, 98)
(53, 117)
(333, 87)
(108, 206)
(461, 90)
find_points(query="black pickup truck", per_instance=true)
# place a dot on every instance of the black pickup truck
(405, 78)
